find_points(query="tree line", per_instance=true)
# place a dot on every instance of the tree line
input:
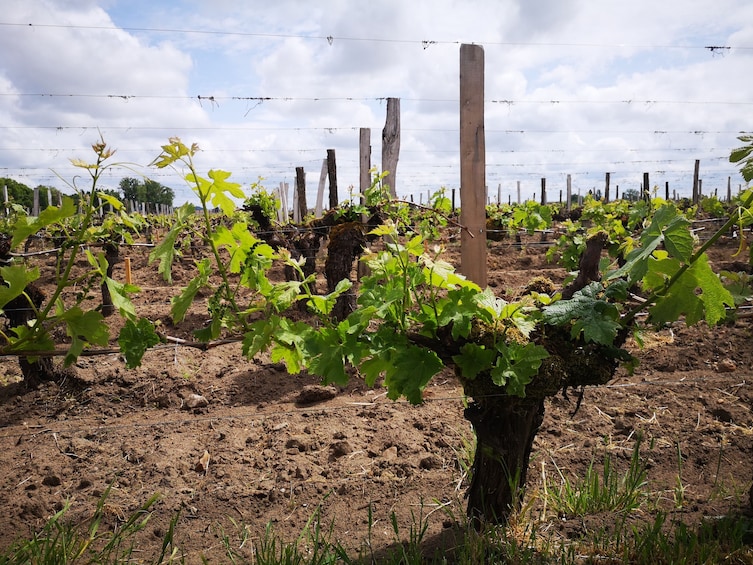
(147, 191)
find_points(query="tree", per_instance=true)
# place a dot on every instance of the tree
(149, 191)
(18, 193)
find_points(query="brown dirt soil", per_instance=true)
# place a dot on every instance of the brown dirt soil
(280, 446)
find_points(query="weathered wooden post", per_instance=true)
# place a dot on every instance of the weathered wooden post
(543, 192)
(35, 203)
(320, 190)
(646, 188)
(696, 170)
(364, 161)
(472, 165)
(300, 187)
(332, 174)
(391, 143)
(569, 192)
(606, 187)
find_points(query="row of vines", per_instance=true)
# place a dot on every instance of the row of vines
(409, 314)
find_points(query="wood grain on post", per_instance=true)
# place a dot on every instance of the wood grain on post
(696, 174)
(320, 190)
(606, 187)
(472, 165)
(300, 187)
(332, 173)
(364, 148)
(391, 143)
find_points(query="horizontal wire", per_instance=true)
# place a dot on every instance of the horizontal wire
(330, 39)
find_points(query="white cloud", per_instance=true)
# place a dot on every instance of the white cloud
(572, 84)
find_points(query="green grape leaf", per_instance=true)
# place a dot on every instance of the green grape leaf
(119, 295)
(323, 304)
(210, 332)
(27, 225)
(15, 278)
(259, 337)
(596, 318)
(165, 251)
(134, 339)
(326, 356)
(83, 328)
(411, 370)
(183, 301)
(459, 310)
(698, 293)
(374, 367)
(217, 190)
(111, 200)
(474, 359)
(516, 366)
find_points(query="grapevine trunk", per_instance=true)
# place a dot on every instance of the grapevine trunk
(505, 429)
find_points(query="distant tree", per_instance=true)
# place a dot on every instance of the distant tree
(149, 191)
(18, 193)
(631, 194)
(44, 192)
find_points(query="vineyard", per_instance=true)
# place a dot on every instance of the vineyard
(343, 372)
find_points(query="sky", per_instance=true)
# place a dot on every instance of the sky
(571, 87)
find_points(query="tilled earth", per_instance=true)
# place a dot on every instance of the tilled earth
(233, 445)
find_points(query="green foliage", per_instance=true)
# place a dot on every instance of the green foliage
(266, 201)
(590, 312)
(604, 491)
(146, 191)
(743, 156)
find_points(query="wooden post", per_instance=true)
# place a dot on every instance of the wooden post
(35, 203)
(332, 173)
(499, 194)
(606, 187)
(453, 200)
(569, 192)
(49, 197)
(391, 143)
(518, 192)
(320, 190)
(300, 186)
(646, 188)
(472, 165)
(666, 191)
(696, 170)
(729, 189)
(700, 189)
(364, 148)
(543, 192)
(127, 266)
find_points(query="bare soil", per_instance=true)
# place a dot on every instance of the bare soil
(265, 447)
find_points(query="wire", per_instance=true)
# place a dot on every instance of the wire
(331, 39)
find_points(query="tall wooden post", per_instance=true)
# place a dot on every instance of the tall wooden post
(391, 143)
(543, 191)
(696, 170)
(569, 192)
(332, 173)
(646, 188)
(364, 145)
(320, 190)
(300, 187)
(35, 203)
(472, 165)
(606, 187)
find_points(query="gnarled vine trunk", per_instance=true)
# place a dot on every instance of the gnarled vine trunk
(505, 430)
(506, 426)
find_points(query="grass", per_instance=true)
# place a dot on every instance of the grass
(632, 530)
